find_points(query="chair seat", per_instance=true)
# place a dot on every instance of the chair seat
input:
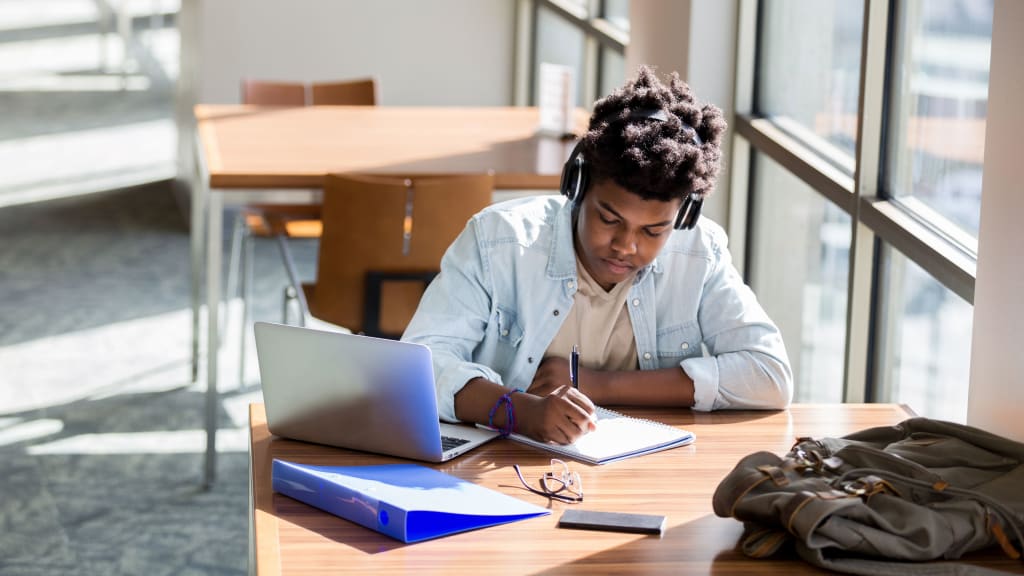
(291, 220)
(292, 226)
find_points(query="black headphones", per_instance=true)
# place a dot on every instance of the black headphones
(576, 173)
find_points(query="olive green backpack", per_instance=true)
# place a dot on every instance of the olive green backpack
(882, 500)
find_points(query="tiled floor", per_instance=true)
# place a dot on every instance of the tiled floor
(100, 429)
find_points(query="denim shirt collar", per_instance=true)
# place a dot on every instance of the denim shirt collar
(562, 257)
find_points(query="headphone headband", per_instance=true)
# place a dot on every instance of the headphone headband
(575, 173)
(644, 113)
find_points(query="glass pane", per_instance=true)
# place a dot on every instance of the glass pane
(617, 12)
(799, 264)
(581, 7)
(560, 42)
(613, 71)
(938, 104)
(925, 348)
(809, 71)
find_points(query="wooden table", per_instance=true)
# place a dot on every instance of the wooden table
(251, 154)
(292, 538)
(274, 147)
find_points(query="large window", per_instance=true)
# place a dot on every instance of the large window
(866, 122)
(588, 36)
(559, 42)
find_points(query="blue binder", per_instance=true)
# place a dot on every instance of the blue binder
(407, 502)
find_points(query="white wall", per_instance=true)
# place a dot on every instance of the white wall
(997, 350)
(662, 33)
(441, 52)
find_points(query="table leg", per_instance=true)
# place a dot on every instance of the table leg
(197, 226)
(215, 215)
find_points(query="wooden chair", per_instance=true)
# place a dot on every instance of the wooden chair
(382, 243)
(361, 92)
(267, 220)
(264, 93)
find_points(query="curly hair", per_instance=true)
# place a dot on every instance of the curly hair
(655, 160)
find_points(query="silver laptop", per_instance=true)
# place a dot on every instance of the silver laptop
(356, 392)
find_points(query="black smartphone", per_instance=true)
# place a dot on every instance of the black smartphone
(612, 521)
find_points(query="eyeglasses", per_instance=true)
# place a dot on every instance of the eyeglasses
(560, 483)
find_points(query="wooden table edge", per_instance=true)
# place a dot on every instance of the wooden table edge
(265, 523)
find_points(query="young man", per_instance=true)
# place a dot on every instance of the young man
(619, 265)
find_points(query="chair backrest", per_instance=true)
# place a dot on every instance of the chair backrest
(262, 93)
(361, 92)
(389, 225)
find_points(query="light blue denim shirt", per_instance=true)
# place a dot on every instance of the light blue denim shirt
(508, 280)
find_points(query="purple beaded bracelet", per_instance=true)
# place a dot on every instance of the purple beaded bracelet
(510, 413)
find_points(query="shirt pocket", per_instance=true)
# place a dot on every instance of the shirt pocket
(679, 342)
(507, 325)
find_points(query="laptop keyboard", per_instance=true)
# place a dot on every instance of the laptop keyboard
(447, 442)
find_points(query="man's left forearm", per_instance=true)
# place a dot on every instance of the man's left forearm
(665, 387)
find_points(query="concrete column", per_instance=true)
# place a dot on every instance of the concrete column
(997, 348)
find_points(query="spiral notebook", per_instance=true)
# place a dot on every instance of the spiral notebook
(617, 437)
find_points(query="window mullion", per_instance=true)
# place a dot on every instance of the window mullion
(871, 107)
(526, 40)
(590, 75)
(740, 163)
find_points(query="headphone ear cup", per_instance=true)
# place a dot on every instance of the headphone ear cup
(573, 174)
(689, 212)
(582, 178)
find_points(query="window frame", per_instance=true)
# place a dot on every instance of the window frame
(933, 244)
(598, 32)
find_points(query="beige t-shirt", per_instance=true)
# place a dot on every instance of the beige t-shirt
(599, 323)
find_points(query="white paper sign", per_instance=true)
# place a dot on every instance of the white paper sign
(556, 99)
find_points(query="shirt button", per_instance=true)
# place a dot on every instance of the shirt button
(647, 355)
(555, 312)
(685, 345)
(636, 301)
(570, 284)
(530, 360)
(505, 333)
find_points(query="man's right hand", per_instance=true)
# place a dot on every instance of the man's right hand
(563, 416)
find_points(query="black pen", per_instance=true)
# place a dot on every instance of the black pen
(574, 367)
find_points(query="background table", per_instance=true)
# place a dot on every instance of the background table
(252, 154)
(292, 538)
